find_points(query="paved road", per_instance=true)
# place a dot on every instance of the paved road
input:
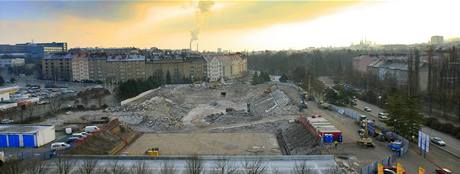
(282, 165)
(453, 144)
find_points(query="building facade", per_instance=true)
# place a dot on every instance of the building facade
(176, 67)
(57, 67)
(34, 50)
(214, 69)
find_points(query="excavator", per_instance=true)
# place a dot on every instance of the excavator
(154, 152)
(364, 139)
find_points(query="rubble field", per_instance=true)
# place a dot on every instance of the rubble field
(181, 108)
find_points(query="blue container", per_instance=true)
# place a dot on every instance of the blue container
(3, 141)
(29, 140)
(13, 141)
(340, 139)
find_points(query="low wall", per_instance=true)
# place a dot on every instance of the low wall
(141, 95)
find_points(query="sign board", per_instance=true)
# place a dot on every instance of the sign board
(423, 141)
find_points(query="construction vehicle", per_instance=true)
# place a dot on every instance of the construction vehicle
(153, 152)
(364, 139)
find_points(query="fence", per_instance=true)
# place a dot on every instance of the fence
(29, 155)
(372, 167)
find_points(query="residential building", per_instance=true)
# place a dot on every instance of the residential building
(214, 68)
(397, 67)
(178, 67)
(57, 66)
(437, 40)
(123, 67)
(80, 67)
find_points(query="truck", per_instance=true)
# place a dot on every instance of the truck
(2, 158)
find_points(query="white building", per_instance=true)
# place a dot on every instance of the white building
(80, 68)
(214, 68)
(6, 91)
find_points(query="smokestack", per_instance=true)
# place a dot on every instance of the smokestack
(197, 47)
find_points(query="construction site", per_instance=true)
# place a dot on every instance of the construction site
(233, 119)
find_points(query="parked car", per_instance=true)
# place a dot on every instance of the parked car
(91, 129)
(367, 109)
(438, 141)
(79, 135)
(73, 140)
(60, 146)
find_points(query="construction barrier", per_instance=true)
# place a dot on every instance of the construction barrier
(372, 168)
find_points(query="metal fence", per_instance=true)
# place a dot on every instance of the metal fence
(29, 155)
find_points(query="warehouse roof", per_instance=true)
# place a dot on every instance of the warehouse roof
(22, 128)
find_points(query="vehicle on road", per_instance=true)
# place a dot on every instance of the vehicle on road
(443, 171)
(438, 141)
(367, 109)
(60, 146)
(7, 121)
(383, 116)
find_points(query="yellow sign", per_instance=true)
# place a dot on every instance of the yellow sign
(399, 168)
(379, 168)
(421, 170)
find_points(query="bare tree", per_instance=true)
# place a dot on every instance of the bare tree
(224, 167)
(117, 168)
(55, 103)
(64, 165)
(333, 170)
(194, 165)
(11, 167)
(254, 167)
(88, 167)
(140, 168)
(301, 168)
(35, 166)
(167, 167)
(275, 171)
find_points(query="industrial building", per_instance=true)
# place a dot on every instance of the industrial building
(322, 128)
(34, 50)
(14, 136)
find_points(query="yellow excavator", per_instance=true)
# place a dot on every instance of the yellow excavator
(153, 152)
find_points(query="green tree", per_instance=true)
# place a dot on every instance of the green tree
(404, 115)
(2, 81)
(168, 77)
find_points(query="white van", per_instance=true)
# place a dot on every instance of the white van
(60, 146)
(91, 129)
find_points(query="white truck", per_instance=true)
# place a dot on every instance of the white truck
(2, 158)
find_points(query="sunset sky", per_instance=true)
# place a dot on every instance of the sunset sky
(231, 24)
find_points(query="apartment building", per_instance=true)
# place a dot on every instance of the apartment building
(178, 67)
(57, 66)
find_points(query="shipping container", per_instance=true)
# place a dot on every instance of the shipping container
(321, 127)
(26, 135)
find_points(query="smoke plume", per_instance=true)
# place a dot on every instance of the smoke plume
(203, 8)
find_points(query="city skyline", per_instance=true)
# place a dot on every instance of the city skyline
(237, 25)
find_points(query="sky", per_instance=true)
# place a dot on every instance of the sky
(231, 25)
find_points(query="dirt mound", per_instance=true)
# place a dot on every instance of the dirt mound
(110, 140)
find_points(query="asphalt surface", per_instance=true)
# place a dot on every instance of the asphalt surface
(453, 144)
